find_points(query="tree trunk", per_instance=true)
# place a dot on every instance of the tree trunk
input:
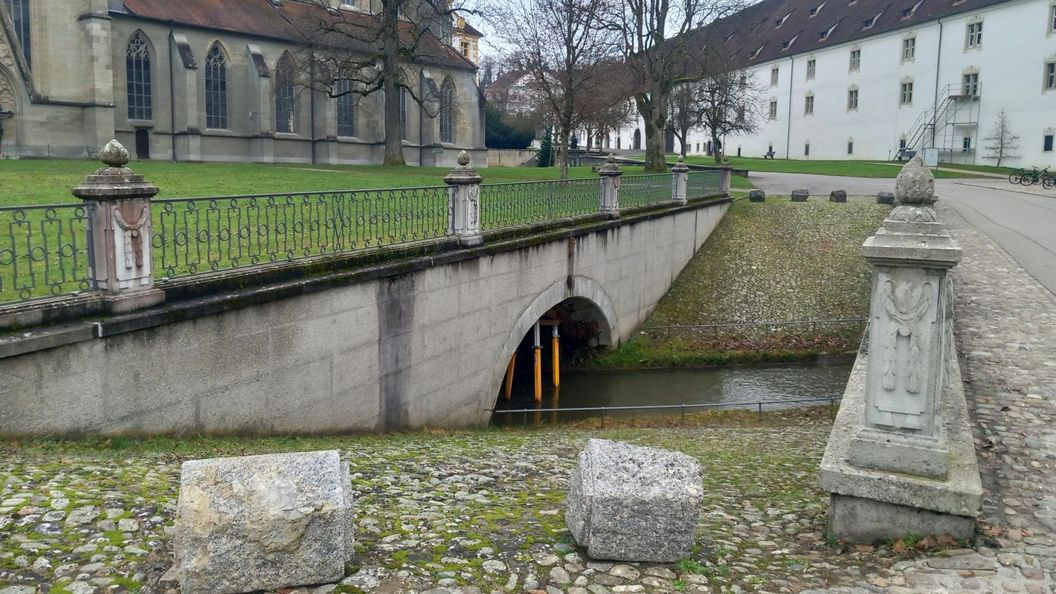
(653, 109)
(562, 151)
(715, 149)
(391, 87)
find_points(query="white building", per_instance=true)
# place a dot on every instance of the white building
(860, 79)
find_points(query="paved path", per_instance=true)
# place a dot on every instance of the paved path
(1023, 223)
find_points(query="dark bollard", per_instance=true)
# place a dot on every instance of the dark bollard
(800, 195)
(838, 196)
(757, 196)
(885, 198)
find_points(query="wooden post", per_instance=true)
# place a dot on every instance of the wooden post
(509, 376)
(556, 347)
(538, 349)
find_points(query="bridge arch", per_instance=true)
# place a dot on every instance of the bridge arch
(584, 291)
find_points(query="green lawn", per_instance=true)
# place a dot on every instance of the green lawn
(772, 261)
(24, 182)
(840, 168)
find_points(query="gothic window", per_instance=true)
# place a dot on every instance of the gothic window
(137, 79)
(285, 99)
(346, 109)
(447, 111)
(19, 10)
(215, 88)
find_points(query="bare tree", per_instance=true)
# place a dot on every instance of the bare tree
(663, 43)
(729, 102)
(1001, 142)
(608, 107)
(684, 113)
(350, 52)
(564, 45)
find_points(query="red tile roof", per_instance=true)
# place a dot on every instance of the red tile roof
(291, 21)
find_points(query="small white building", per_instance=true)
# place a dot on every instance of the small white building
(862, 79)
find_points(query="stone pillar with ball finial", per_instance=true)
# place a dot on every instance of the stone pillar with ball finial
(679, 179)
(610, 174)
(909, 333)
(463, 194)
(118, 203)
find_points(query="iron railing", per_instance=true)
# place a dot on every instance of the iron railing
(44, 251)
(523, 203)
(645, 190)
(704, 183)
(602, 411)
(193, 235)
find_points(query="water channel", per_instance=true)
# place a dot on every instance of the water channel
(732, 387)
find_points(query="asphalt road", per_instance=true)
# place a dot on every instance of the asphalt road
(1022, 223)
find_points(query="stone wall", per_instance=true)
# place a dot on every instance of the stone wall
(398, 350)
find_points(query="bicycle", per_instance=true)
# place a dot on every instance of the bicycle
(1015, 176)
(1029, 178)
(1048, 182)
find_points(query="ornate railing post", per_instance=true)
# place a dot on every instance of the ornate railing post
(679, 179)
(909, 335)
(727, 175)
(118, 204)
(610, 174)
(463, 195)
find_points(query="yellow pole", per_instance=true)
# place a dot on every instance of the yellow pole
(556, 347)
(509, 375)
(538, 366)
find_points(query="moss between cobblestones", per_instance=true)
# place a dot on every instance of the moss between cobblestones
(444, 508)
(775, 261)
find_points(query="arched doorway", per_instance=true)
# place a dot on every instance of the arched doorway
(9, 109)
(637, 140)
(562, 321)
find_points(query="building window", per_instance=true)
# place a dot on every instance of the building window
(215, 88)
(773, 109)
(852, 100)
(1050, 76)
(1052, 19)
(856, 60)
(403, 113)
(19, 10)
(447, 111)
(809, 107)
(905, 96)
(806, 150)
(966, 144)
(285, 97)
(137, 78)
(774, 73)
(975, 34)
(346, 109)
(909, 49)
(850, 147)
(970, 82)
(811, 68)
(1047, 145)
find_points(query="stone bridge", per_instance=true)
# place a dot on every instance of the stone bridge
(412, 336)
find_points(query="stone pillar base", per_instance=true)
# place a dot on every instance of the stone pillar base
(124, 303)
(870, 504)
(857, 519)
(900, 453)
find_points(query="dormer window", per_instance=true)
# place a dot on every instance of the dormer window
(729, 38)
(814, 11)
(789, 43)
(781, 21)
(868, 23)
(825, 34)
(757, 51)
(908, 12)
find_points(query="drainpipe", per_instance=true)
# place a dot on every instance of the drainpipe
(938, 62)
(421, 98)
(311, 102)
(788, 124)
(172, 90)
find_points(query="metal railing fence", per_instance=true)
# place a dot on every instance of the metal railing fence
(757, 405)
(523, 203)
(193, 235)
(645, 190)
(704, 183)
(44, 251)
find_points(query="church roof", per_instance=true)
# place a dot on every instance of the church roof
(289, 21)
(775, 29)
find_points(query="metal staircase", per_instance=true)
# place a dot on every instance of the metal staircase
(950, 125)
